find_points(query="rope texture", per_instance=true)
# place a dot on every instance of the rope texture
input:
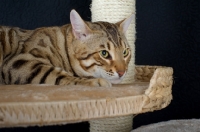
(115, 124)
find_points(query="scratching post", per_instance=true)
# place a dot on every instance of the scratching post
(114, 11)
(114, 124)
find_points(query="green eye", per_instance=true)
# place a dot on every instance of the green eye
(126, 52)
(104, 53)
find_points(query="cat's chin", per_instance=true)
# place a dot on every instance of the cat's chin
(115, 81)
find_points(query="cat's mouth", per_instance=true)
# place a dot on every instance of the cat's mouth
(114, 78)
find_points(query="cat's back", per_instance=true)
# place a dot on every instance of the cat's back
(14, 40)
(9, 32)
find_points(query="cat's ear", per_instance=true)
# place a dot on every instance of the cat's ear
(124, 24)
(80, 29)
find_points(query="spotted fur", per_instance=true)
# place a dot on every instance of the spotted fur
(73, 54)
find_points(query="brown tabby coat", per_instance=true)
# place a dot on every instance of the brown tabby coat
(84, 53)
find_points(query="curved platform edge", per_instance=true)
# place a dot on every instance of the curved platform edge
(93, 103)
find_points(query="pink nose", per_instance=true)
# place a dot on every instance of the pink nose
(120, 73)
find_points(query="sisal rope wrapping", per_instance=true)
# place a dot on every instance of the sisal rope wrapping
(114, 11)
(119, 124)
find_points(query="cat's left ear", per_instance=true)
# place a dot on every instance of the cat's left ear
(80, 29)
(124, 24)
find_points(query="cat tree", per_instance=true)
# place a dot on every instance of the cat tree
(145, 88)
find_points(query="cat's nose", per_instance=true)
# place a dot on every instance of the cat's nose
(120, 73)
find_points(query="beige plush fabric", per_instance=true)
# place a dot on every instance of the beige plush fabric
(192, 125)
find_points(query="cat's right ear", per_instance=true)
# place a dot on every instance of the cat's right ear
(80, 29)
(123, 25)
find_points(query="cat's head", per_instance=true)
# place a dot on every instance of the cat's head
(100, 49)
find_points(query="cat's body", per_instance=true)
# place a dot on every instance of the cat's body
(84, 53)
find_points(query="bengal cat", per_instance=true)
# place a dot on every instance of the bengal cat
(80, 53)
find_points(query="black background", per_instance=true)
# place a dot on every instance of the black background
(168, 34)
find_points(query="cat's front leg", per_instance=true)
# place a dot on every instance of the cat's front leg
(36, 72)
(27, 72)
(61, 77)
(58, 76)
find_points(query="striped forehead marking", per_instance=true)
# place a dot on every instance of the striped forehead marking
(112, 32)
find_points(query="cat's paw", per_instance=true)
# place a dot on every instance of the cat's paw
(99, 82)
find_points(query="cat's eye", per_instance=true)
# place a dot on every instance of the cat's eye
(104, 54)
(126, 52)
